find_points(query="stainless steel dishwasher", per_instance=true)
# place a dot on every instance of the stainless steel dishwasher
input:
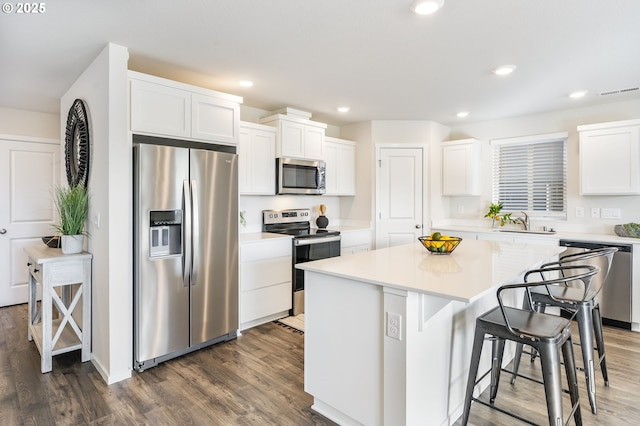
(615, 298)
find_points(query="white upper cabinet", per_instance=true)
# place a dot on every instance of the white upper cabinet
(214, 119)
(461, 167)
(160, 110)
(610, 158)
(340, 158)
(163, 107)
(297, 137)
(257, 159)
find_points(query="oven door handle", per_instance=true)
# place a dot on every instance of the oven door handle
(316, 240)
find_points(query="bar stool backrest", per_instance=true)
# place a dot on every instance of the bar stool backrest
(601, 257)
(565, 275)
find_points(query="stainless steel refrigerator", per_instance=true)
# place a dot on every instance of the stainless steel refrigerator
(185, 247)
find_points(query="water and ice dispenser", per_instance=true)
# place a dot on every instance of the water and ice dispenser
(165, 233)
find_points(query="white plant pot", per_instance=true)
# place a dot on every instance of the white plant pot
(72, 244)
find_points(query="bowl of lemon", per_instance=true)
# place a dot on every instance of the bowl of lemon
(437, 243)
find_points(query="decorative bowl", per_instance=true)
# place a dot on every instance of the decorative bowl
(53, 242)
(443, 245)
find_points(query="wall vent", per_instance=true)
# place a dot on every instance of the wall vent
(616, 92)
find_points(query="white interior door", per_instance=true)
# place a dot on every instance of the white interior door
(399, 216)
(28, 173)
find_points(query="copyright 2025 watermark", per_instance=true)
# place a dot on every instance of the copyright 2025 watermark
(24, 8)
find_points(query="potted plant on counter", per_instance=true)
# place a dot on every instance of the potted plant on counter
(497, 217)
(72, 204)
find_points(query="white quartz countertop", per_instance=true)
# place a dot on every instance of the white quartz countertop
(472, 270)
(256, 237)
(560, 235)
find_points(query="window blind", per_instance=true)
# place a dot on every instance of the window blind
(529, 174)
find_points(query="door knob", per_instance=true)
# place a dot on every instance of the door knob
(418, 226)
(3, 231)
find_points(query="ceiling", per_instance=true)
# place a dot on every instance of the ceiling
(373, 55)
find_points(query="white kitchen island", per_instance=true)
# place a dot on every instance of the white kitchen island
(388, 333)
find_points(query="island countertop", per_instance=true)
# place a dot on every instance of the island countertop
(472, 270)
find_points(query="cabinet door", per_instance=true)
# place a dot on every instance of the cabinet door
(609, 161)
(460, 169)
(215, 120)
(292, 139)
(313, 141)
(160, 110)
(257, 154)
(244, 161)
(331, 174)
(263, 163)
(347, 170)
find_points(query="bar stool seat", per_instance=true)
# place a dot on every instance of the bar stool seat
(548, 334)
(581, 303)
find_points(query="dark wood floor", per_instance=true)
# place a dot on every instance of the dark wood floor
(256, 379)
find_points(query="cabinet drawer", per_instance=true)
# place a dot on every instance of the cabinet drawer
(263, 273)
(265, 301)
(265, 250)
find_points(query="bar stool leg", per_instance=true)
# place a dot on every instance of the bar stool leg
(550, 361)
(572, 379)
(585, 327)
(497, 351)
(519, 347)
(597, 326)
(478, 341)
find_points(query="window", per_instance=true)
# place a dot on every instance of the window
(530, 174)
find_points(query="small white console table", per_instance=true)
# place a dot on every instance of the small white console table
(71, 273)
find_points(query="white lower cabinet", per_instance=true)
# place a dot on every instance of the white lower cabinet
(355, 241)
(257, 159)
(265, 281)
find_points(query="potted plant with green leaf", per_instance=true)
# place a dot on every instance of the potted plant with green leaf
(72, 204)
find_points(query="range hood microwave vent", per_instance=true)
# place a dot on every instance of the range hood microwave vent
(619, 91)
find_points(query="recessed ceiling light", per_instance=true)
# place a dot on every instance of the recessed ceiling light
(504, 69)
(343, 109)
(426, 7)
(462, 114)
(245, 83)
(578, 94)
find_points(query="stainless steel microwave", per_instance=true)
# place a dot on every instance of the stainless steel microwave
(295, 176)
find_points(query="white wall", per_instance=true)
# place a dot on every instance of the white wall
(567, 120)
(367, 135)
(17, 122)
(253, 205)
(103, 87)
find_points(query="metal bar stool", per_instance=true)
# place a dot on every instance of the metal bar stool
(548, 334)
(584, 308)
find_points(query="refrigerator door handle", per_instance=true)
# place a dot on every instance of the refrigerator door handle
(195, 238)
(186, 241)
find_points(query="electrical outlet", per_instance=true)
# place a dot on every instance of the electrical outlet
(394, 326)
(579, 211)
(461, 209)
(595, 212)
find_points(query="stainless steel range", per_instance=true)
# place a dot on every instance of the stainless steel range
(308, 244)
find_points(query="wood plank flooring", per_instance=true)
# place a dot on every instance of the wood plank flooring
(256, 379)
(618, 404)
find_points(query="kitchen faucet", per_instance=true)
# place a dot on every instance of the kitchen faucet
(525, 221)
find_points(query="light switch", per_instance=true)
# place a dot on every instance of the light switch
(610, 213)
(595, 212)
